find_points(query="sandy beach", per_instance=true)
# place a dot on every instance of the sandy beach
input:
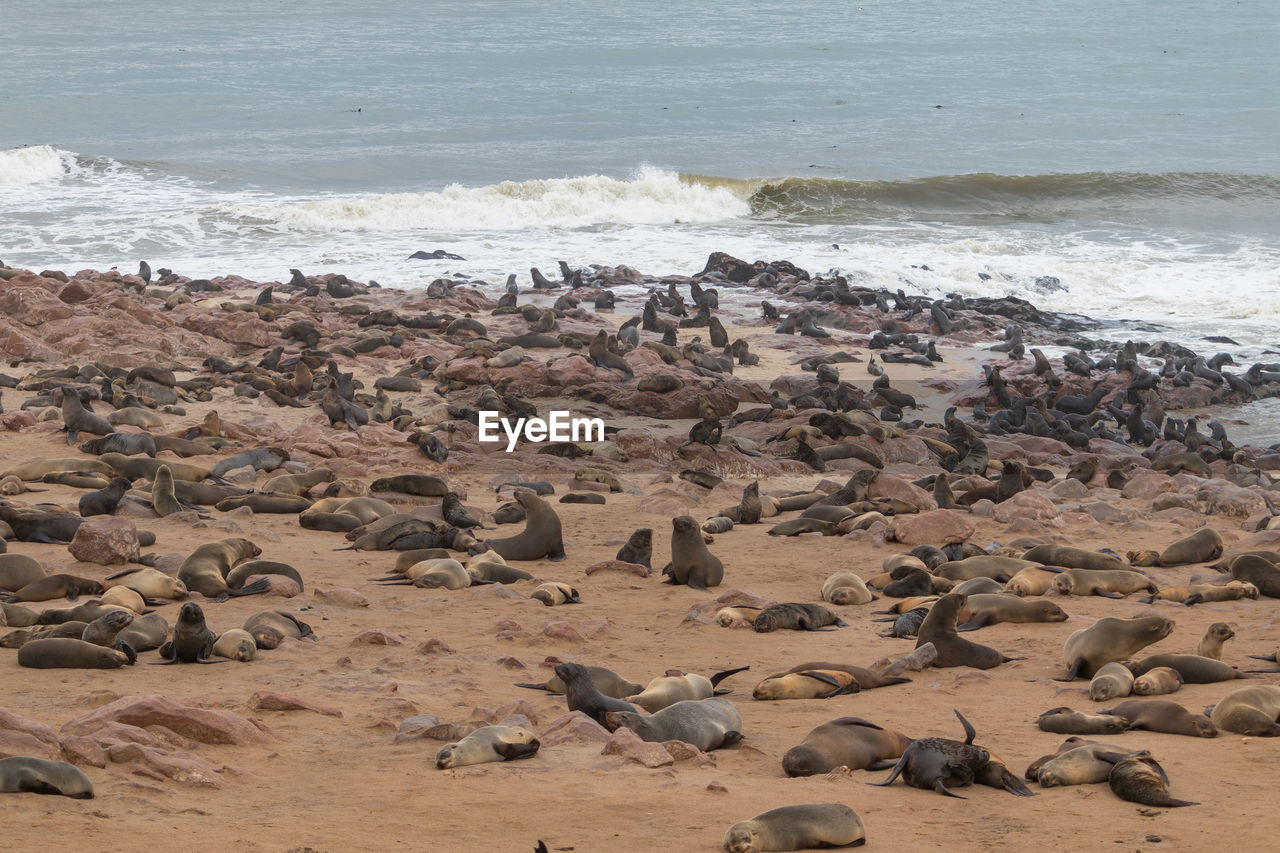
(331, 776)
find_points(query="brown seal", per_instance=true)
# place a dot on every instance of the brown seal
(1072, 558)
(552, 593)
(847, 741)
(989, 609)
(846, 588)
(1111, 681)
(163, 499)
(797, 828)
(940, 764)
(70, 653)
(806, 684)
(1250, 711)
(25, 775)
(144, 468)
(638, 548)
(1163, 715)
(490, 743)
(153, 585)
(705, 723)
(1139, 779)
(939, 628)
(18, 570)
(1215, 636)
(691, 563)
(59, 585)
(1031, 581)
(1064, 721)
(104, 501)
(145, 633)
(605, 680)
(236, 644)
(1258, 571)
(541, 537)
(1194, 669)
(242, 572)
(192, 640)
(1200, 547)
(76, 419)
(983, 566)
(1108, 584)
(1160, 681)
(298, 484)
(678, 686)
(271, 627)
(796, 617)
(263, 503)
(205, 569)
(1110, 639)
(1077, 762)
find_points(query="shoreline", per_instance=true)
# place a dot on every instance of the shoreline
(385, 654)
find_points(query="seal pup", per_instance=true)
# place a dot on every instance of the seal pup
(552, 593)
(1064, 721)
(582, 695)
(25, 775)
(677, 686)
(18, 570)
(939, 628)
(60, 585)
(1077, 762)
(490, 743)
(192, 640)
(269, 628)
(638, 548)
(797, 828)
(236, 644)
(846, 741)
(1110, 639)
(1138, 778)
(806, 684)
(541, 536)
(691, 563)
(1193, 669)
(705, 723)
(846, 588)
(796, 617)
(1159, 681)
(70, 653)
(939, 764)
(205, 569)
(104, 501)
(1111, 681)
(605, 680)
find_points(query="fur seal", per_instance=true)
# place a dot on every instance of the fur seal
(205, 569)
(552, 593)
(263, 503)
(1163, 715)
(488, 567)
(639, 548)
(70, 653)
(298, 484)
(145, 633)
(939, 764)
(270, 627)
(35, 471)
(18, 570)
(76, 419)
(691, 563)
(796, 617)
(1139, 779)
(490, 743)
(806, 684)
(541, 537)
(237, 576)
(677, 687)
(1108, 584)
(236, 644)
(1077, 762)
(1249, 711)
(60, 585)
(983, 566)
(705, 723)
(939, 628)
(846, 588)
(1065, 721)
(983, 609)
(1215, 636)
(1072, 558)
(192, 640)
(1032, 581)
(1258, 571)
(153, 585)
(1200, 547)
(605, 680)
(104, 630)
(797, 828)
(24, 775)
(581, 694)
(1159, 681)
(163, 499)
(1110, 639)
(144, 468)
(104, 501)
(1194, 669)
(1111, 681)
(847, 741)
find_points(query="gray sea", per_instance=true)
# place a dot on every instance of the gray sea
(1131, 151)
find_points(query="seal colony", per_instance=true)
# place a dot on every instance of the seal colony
(251, 451)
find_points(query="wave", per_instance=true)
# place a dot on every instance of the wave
(649, 197)
(1021, 196)
(32, 164)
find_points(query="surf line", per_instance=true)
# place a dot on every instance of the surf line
(557, 426)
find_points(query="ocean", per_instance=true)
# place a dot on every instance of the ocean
(1131, 151)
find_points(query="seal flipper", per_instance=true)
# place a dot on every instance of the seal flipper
(731, 738)
(1076, 666)
(942, 789)
(882, 764)
(128, 651)
(979, 621)
(721, 676)
(897, 770)
(970, 734)
(1105, 594)
(256, 588)
(515, 751)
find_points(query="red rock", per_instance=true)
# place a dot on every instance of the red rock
(1145, 485)
(628, 744)
(572, 370)
(889, 486)
(1029, 503)
(15, 421)
(106, 541)
(179, 766)
(1222, 498)
(14, 744)
(199, 724)
(377, 637)
(435, 646)
(74, 292)
(574, 727)
(937, 527)
(342, 596)
(9, 721)
(269, 700)
(83, 751)
(617, 565)
(32, 306)
(681, 751)
(562, 631)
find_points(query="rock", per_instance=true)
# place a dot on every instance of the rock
(889, 486)
(83, 751)
(11, 722)
(681, 751)
(377, 637)
(269, 700)
(416, 727)
(574, 727)
(619, 566)
(562, 631)
(106, 541)
(1025, 504)
(1145, 485)
(341, 596)
(200, 724)
(435, 645)
(1069, 490)
(1106, 513)
(628, 744)
(179, 766)
(14, 744)
(1222, 498)
(937, 527)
